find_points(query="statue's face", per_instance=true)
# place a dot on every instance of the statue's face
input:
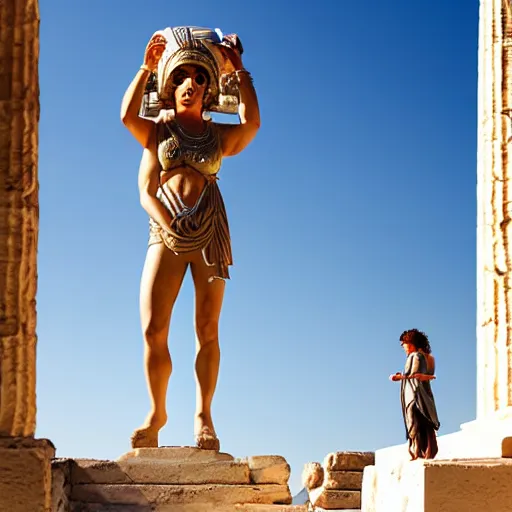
(191, 83)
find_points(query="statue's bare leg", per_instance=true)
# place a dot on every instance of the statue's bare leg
(209, 296)
(162, 277)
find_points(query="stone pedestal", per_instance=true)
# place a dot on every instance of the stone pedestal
(473, 485)
(177, 479)
(336, 485)
(25, 474)
(477, 445)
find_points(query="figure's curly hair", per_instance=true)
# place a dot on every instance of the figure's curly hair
(417, 338)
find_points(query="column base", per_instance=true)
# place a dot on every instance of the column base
(25, 474)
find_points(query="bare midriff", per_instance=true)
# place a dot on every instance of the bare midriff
(185, 182)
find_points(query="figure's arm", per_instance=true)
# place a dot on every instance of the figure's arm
(414, 371)
(419, 376)
(237, 137)
(139, 127)
(148, 187)
(422, 376)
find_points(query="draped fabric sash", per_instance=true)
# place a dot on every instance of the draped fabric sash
(203, 226)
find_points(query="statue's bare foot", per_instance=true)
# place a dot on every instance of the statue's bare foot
(147, 435)
(206, 438)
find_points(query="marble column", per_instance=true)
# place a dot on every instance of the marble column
(494, 211)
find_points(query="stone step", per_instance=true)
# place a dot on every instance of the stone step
(177, 479)
(267, 469)
(101, 507)
(338, 500)
(318, 509)
(179, 496)
(271, 508)
(177, 454)
(263, 469)
(158, 471)
(472, 485)
(343, 480)
(348, 461)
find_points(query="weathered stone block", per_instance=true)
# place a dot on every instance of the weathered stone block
(335, 499)
(312, 475)
(469, 485)
(102, 507)
(191, 507)
(177, 454)
(25, 474)
(271, 508)
(61, 484)
(343, 480)
(348, 461)
(268, 469)
(158, 471)
(179, 495)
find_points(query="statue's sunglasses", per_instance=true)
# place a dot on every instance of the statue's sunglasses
(200, 78)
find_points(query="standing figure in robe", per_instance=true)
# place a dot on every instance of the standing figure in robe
(418, 405)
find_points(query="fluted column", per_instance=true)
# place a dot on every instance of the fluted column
(19, 212)
(494, 222)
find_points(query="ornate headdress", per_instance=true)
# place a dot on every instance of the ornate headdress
(194, 46)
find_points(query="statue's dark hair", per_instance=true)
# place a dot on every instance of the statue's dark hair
(417, 338)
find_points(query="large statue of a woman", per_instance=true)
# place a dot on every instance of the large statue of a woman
(182, 154)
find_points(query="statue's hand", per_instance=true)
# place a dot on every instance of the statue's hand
(154, 50)
(232, 49)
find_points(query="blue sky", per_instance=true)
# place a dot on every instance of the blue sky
(352, 216)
